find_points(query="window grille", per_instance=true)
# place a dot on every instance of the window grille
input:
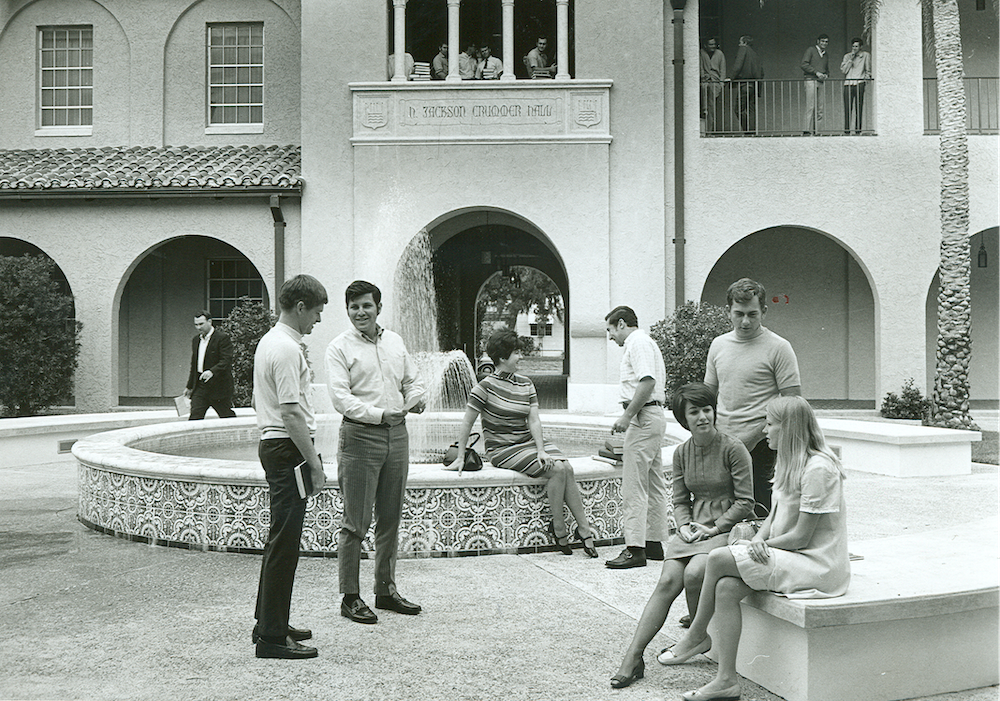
(66, 80)
(229, 279)
(235, 74)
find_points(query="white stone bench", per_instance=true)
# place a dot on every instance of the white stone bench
(900, 449)
(920, 618)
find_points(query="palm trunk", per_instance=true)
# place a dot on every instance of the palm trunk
(950, 397)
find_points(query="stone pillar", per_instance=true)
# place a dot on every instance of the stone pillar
(562, 39)
(508, 40)
(453, 47)
(399, 41)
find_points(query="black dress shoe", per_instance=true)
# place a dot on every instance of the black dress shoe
(394, 602)
(358, 612)
(627, 559)
(620, 681)
(291, 650)
(293, 633)
(654, 550)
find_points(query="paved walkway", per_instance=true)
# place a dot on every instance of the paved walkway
(87, 616)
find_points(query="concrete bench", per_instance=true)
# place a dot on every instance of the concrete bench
(920, 618)
(900, 449)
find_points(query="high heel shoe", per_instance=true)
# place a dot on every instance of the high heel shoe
(668, 657)
(589, 549)
(620, 681)
(563, 547)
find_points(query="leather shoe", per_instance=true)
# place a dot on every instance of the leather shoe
(394, 602)
(291, 650)
(730, 694)
(654, 550)
(358, 612)
(293, 633)
(626, 559)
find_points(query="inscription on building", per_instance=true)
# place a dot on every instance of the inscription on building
(499, 111)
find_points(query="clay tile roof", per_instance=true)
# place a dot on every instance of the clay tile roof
(148, 168)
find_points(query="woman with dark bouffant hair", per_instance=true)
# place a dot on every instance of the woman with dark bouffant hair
(509, 407)
(712, 491)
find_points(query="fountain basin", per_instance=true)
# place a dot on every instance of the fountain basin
(131, 486)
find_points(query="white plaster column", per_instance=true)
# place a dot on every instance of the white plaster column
(562, 39)
(453, 48)
(399, 41)
(508, 40)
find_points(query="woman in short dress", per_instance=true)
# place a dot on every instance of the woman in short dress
(712, 491)
(513, 431)
(800, 550)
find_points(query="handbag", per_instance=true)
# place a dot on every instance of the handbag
(473, 461)
(748, 527)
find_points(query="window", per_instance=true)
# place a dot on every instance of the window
(235, 77)
(541, 329)
(66, 79)
(228, 280)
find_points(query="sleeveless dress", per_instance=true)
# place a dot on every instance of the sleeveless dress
(822, 569)
(503, 400)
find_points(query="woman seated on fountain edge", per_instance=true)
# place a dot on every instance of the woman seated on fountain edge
(509, 407)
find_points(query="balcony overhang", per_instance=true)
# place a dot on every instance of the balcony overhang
(482, 112)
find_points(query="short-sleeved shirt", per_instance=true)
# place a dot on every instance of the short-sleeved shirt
(503, 401)
(280, 376)
(642, 358)
(748, 374)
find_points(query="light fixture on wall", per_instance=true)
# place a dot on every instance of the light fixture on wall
(982, 260)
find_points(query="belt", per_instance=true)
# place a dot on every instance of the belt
(366, 425)
(653, 403)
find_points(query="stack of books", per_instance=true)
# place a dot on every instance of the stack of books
(489, 74)
(542, 73)
(421, 71)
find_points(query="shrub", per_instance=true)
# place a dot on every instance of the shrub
(908, 404)
(527, 345)
(684, 339)
(246, 325)
(39, 337)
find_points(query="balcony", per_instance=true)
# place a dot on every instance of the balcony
(981, 106)
(778, 108)
(476, 112)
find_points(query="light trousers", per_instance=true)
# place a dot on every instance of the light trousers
(645, 495)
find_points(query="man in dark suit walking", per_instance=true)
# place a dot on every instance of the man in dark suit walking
(210, 383)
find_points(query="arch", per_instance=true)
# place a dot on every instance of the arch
(11, 246)
(821, 298)
(155, 301)
(984, 287)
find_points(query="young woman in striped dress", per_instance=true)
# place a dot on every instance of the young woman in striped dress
(509, 407)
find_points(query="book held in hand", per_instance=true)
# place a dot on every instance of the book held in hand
(183, 405)
(303, 479)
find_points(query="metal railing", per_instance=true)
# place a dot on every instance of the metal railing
(981, 106)
(782, 107)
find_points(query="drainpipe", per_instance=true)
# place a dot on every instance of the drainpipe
(678, 22)
(279, 245)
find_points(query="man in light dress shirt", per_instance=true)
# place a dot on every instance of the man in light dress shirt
(373, 383)
(645, 495)
(281, 398)
(857, 70)
(489, 66)
(468, 62)
(210, 380)
(815, 69)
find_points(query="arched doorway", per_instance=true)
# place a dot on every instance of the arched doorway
(165, 288)
(984, 288)
(819, 299)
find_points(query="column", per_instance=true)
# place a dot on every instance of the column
(562, 39)
(399, 41)
(453, 47)
(508, 40)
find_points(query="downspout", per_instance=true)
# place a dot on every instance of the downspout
(678, 22)
(279, 245)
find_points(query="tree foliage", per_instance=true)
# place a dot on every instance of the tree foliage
(39, 336)
(684, 338)
(519, 290)
(246, 325)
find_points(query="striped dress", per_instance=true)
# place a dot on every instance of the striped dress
(503, 401)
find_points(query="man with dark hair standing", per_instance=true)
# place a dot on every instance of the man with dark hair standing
(748, 367)
(815, 70)
(373, 383)
(281, 392)
(645, 501)
(713, 74)
(210, 382)
(748, 71)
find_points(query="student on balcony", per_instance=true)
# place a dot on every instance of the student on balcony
(467, 61)
(537, 60)
(713, 73)
(857, 70)
(489, 67)
(747, 72)
(439, 66)
(815, 69)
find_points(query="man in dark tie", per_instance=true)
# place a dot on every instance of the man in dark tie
(210, 382)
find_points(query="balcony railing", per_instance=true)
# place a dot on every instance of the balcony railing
(981, 106)
(780, 107)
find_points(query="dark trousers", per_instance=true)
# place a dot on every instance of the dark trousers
(747, 106)
(202, 399)
(854, 96)
(763, 471)
(279, 456)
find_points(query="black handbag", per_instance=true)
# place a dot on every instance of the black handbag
(473, 461)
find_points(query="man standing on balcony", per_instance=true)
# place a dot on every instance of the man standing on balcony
(815, 70)
(467, 62)
(748, 367)
(439, 66)
(857, 70)
(489, 66)
(537, 60)
(747, 71)
(645, 501)
(713, 73)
